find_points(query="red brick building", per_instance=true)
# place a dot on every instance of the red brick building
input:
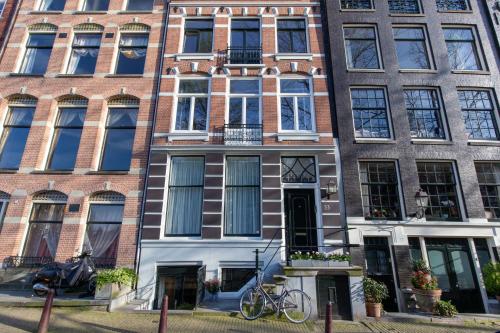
(8, 10)
(77, 100)
(243, 154)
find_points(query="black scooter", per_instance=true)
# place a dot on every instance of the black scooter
(63, 276)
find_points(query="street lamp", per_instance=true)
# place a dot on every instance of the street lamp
(422, 200)
(331, 188)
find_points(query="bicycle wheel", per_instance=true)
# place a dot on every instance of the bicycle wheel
(296, 305)
(252, 304)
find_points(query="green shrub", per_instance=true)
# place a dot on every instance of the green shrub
(445, 309)
(123, 276)
(375, 292)
(491, 276)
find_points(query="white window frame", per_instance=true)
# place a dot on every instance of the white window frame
(458, 188)
(24, 48)
(83, 3)
(192, 97)
(295, 105)
(402, 205)
(1, 13)
(3, 210)
(223, 210)
(104, 133)
(242, 96)
(70, 48)
(428, 48)
(114, 60)
(308, 45)
(182, 37)
(387, 112)
(442, 114)
(476, 43)
(495, 111)
(377, 43)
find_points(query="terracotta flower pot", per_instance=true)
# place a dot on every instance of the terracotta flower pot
(426, 299)
(373, 309)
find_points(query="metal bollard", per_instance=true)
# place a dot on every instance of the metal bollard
(163, 316)
(43, 326)
(328, 318)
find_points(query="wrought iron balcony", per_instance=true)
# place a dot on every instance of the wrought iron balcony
(240, 56)
(26, 262)
(99, 262)
(242, 135)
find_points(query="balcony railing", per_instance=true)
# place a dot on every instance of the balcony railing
(242, 135)
(240, 56)
(26, 262)
(100, 262)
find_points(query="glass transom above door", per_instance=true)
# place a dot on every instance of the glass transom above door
(298, 170)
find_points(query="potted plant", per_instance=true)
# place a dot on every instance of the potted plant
(113, 283)
(375, 293)
(445, 309)
(426, 290)
(491, 277)
(213, 288)
(319, 259)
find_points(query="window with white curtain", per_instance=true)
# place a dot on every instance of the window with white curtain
(38, 50)
(84, 54)
(103, 231)
(192, 105)
(66, 142)
(132, 53)
(185, 196)
(52, 5)
(242, 196)
(44, 229)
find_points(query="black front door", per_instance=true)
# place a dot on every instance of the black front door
(334, 289)
(301, 221)
(451, 263)
(379, 268)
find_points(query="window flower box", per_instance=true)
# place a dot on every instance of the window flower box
(318, 259)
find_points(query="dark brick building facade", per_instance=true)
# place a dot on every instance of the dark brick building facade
(415, 91)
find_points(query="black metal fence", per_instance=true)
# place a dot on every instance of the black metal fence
(243, 134)
(26, 262)
(240, 56)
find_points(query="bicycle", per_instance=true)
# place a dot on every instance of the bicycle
(294, 303)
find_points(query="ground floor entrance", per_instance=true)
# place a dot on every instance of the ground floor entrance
(451, 262)
(300, 216)
(379, 267)
(182, 284)
(335, 289)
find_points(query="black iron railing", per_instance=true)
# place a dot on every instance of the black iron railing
(99, 262)
(243, 134)
(26, 262)
(240, 56)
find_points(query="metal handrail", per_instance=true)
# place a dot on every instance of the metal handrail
(243, 133)
(240, 55)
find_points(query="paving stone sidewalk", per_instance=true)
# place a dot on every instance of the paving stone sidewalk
(78, 320)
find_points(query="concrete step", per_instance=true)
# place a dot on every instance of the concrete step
(133, 306)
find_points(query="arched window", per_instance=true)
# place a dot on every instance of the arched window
(120, 133)
(103, 227)
(67, 133)
(45, 226)
(15, 130)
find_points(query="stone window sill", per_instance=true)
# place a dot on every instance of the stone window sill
(494, 143)
(194, 56)
(298, 137)
(188, 136)
(377, 141)
(430, 142)
(124, 75)
(293, 56)
(75, 75)
(52, 172)
(26, 74)
(103, 172)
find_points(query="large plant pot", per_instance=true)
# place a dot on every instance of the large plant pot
(426, 299)
(374, 309)
(111, 291)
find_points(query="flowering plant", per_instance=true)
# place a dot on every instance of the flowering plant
(320, 256)
(422, 278)
(212, 286)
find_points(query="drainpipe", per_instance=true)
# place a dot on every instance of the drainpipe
(12, 18)
(151, 139)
